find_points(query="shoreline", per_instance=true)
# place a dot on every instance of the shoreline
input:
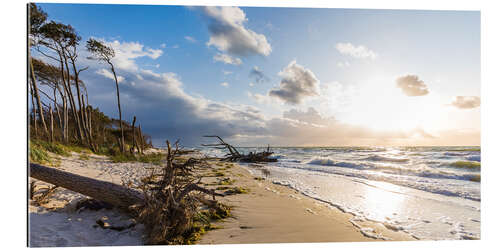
(273, 213)
(263, 213)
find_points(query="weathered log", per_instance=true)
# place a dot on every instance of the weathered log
(234, 155)
(111, 193)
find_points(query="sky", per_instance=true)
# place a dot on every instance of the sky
(286, 76)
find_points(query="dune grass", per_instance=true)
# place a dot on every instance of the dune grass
(155, 158)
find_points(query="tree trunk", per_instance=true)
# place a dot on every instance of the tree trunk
(111, 193)
(122, 149)
(141, 141)
(72, 101)
(37, 96)
(51, 124)
(90, 140)
(134, 145)
(33, 109)
(81, 106)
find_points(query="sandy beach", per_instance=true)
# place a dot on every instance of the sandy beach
(263, 213)
(271, 213)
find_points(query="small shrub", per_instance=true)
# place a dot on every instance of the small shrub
(237, 190)
(226, 181)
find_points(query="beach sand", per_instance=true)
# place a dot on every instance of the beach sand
(271, 213)
(268, 213)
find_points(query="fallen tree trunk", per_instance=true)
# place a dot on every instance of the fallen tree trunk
(111, 193)
(234, 155)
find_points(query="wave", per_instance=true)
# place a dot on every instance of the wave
(329, 162)
(473, 165)
(474, 158)
(383, 158)
(415, 170)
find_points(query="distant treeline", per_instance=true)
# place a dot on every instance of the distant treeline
(60, 110)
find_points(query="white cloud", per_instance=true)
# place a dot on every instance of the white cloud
(226, 72)
(251, 84)
(225, 84)
(343, 64)
(227, 59)
(411, 85)
(127, 52)
(106, 73)
(466, 102)
(190, 39)
(260, 98)
(163, 45)
(355, 51)
(229, 34)
(311, 116)
(297, 83)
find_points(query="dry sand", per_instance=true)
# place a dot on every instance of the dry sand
(268, 213)
(58, 223)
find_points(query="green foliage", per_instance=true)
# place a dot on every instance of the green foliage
(38, 155)
(226, 181)
(100, 51)
(219, 212)
(155, 158)
(76, 149)
(55, 148)
(37, 18)
(119, 158)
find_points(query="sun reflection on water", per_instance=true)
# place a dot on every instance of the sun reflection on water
(384, 201)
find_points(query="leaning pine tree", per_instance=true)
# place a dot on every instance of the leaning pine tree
(105, 53)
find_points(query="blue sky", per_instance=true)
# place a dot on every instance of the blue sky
(343, 73)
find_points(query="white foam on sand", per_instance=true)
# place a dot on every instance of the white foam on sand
(422, 214)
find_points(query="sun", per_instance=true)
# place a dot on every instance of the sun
(377, 104)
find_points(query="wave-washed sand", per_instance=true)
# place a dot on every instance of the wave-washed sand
(268, 213)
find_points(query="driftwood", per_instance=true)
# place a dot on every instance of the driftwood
(234, 155)
(169, 209)
(166, 205)
(111, 193)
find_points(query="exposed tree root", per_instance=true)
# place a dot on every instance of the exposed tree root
(234, 155)
(170, 201)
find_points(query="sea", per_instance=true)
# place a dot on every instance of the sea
(431, 193)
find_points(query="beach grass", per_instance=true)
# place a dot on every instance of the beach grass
(55, 148)
(154, 158)
(38, 154)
